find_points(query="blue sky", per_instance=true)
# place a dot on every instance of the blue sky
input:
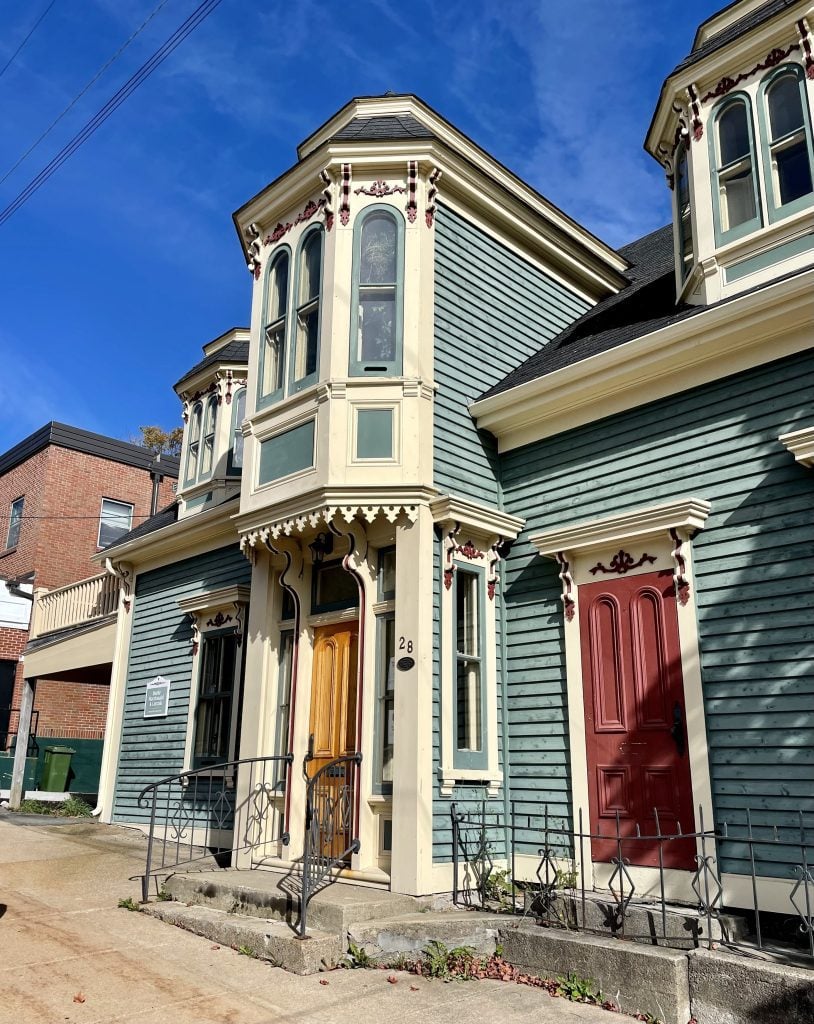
(116, 272)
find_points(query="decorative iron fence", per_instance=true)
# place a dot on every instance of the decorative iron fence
(196, 816)
(9, 727)
(556, 888)
(331, 825)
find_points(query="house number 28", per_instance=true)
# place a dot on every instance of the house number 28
(405, 645)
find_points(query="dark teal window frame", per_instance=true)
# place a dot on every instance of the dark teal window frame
(231, 468)
(282, 730)
(195, 416)
(363, 367)
(235, 699)
(331, 606)
(269, 398)
(382, 594)
(780, 211)
(295, 306)
(211, 405)
(470, 759)
(732, 234)
(380, 787)
(306, 428)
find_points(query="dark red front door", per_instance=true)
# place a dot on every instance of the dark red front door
(635, 728)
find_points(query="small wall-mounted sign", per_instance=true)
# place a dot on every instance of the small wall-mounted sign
(405, 664)
(157, 698)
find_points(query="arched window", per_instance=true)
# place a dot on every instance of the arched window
(376, 312)
(305, 355)
(738, 209)
(683, 211)
(238, 415)
(194, 443)
(208, 453)
(275, 322)
(788, 155)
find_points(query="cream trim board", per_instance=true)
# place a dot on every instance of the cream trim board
(801, 445)
(481, 519)
(727, 338)
(667, 529)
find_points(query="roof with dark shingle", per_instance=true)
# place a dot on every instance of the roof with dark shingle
(646, 304)
(234, 352)
(165, 517)
(384, 126)
(735, 31)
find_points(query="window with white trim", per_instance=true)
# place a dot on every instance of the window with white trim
(378, 274)
(305, 343)
(115, 520)
(787, 148)
(194, 442)
(470, 734)
(208, 440)
(738, 205)
(236, 448)
(385, 725)
(275, 328)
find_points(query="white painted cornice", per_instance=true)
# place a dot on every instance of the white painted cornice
(728, 338)
(235, 594)
(801, 445)
(482, 519)
(688, 514)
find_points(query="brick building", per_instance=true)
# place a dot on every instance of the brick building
(65, 494)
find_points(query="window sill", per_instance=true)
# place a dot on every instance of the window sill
(8, 551)
(449, 778)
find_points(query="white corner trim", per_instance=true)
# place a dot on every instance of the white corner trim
(730, 337)
(687, 513)
(480, 518)
(801, 445)
(234, 594)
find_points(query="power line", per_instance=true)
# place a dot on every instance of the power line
(13, 57)
(146, 69)
(79, 95)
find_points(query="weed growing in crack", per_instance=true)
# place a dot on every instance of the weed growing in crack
(129, 904)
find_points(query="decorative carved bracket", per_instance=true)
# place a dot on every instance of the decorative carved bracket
(195, 623)
(568, 603)
(252, 234)
(379, 189)
(124, 572)
(682, 584)
(327, 195)
(344, 194)
(432, 181)
(412, 186)
(450, 548)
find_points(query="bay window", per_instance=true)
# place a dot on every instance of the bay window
(738, 207)
(787, 151)
(378, 271)
(275, 328)
(305, 345)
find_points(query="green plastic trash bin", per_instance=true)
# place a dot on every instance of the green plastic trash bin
(55, 767)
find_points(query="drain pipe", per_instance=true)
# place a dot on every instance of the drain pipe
(156, 476)
(504, 689)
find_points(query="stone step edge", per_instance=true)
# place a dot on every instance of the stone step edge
(272, 941)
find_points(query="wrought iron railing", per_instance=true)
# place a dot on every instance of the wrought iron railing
(330, 825)
(559, 890)
(10, 727)
(215, 812)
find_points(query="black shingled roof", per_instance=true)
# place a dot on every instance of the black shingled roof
(234, 352)
(645, 305)
(165, 517)
(385, 126)
(735, 31)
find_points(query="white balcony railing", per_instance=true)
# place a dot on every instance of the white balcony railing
(80, 602)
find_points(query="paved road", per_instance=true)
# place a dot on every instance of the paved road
(67, 953)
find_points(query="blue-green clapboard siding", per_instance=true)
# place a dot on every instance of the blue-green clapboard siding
(493, 309)
(161, 645)
(754, 587)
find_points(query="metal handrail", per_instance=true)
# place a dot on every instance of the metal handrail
(330, 811)
(191, 815)
(33, 746)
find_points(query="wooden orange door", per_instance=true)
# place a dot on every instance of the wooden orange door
(635, 730)
(333, 728)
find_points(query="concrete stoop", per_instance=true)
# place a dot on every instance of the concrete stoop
(410, 933)
(267, 940)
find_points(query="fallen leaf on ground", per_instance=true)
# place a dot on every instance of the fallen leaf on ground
(392, 979)
(79, 997)
(214, 947)
(324, 981)
(414, 988)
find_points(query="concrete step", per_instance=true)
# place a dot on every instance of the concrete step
(274, 896)
(383, 939)
(681, 926)
(268, 940)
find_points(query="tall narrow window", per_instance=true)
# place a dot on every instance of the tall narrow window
(194, 444)
(737, 184)
(683, 211)
(306, 335)
(115, 521)
(377, 299)
(385, 713)
(272, 355)
(469, 710)
(789, 141)
(285, 668)
(238, 415)
(14, 522)
(214, 715)
(210, 420)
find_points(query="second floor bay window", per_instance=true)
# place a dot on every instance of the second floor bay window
(737, 195)
(275, 328)
(378, 271)
(788, 154)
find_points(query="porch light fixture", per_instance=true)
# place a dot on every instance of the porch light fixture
(320, 546)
